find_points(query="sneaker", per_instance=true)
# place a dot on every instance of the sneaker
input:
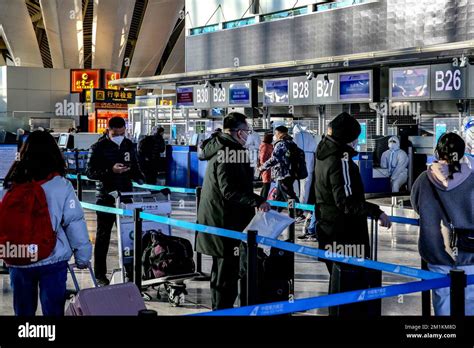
(308, 237)
(102, 281)
(300, 219)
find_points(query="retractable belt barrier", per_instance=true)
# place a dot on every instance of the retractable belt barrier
(286, 307)
(457, 279)
(295, 248)
(306, 207)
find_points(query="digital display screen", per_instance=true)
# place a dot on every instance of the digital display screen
(276, 92)
(7, 158)
(62, 142)
(355, 86)
(363, 134)
(440, 129)
(410, 83)
(185, 96)
(239, 94)
(217, 112)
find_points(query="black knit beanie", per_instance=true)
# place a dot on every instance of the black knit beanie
(345, 128)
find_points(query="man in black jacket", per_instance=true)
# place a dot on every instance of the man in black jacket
(113, 162)
(341, 209)
(149, 153)
(227, 201)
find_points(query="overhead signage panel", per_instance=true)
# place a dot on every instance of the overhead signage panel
(325, 89)
(301, 91)
(356, 87)
(185, 96)
(448, 82)
(240, 94)
(276, 92)
(410, 83)
(219, 95)
(202, 97)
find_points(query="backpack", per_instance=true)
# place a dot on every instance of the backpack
(166, 255)
(26, 224)
(298, 168)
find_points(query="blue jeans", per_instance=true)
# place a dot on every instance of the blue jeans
(51, 281)
(312, 224)
(441, 299)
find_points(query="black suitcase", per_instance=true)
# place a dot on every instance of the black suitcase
(346, 278)
(274, 276)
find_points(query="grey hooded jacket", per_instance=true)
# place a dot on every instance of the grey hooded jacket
(458, 199)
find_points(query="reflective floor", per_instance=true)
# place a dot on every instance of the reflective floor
(397, 245)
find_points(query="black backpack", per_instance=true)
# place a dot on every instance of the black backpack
(166, 255)
(298, 168)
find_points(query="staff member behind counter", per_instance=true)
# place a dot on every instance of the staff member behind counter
(113, 162)
(396, 161)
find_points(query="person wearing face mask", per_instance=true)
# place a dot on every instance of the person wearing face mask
(443, 197)
(113, 163)
(341, 209)
(227, 201)
(280, 164)
(396, 161)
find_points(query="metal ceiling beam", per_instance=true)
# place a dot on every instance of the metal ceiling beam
(319, 65)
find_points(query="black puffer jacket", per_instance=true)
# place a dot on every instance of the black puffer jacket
(227, 198)
(149, 151)
(341, 209)
(104, 154)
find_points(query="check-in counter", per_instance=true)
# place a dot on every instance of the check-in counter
(184, 167)
(375, 180)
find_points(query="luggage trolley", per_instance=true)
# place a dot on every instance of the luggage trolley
(149, 203)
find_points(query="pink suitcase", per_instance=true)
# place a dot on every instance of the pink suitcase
(116, 300)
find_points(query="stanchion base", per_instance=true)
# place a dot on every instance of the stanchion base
(202, 277)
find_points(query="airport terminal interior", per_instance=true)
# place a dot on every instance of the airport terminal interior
(173, 70)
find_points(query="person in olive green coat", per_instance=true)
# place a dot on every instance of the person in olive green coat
(227, 201)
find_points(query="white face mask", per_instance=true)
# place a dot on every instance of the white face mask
(354, 144)
(118, 139)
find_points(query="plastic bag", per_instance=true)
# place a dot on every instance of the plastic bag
(270, 224)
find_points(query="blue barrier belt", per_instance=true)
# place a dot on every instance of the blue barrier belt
(143, 186)
(470, 279)
(158, 188)
(286, 307)
(104, 209)
(295, 248)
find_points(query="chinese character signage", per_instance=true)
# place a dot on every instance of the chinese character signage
(111, 76)
(84, 79)
(112, 96)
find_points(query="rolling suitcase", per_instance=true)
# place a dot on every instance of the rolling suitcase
(346, 278)
(119, 299)
(274, 275)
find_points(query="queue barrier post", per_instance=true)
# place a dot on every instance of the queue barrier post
(202, 276)
(252, 268)
(137, 247)
(425, 295)
(458, 292)
(291, 239)
(79, 186)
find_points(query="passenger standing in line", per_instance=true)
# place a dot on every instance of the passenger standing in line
(113, 162)
(42, 161)
(280, 164)
(227, 201)
(396, 161)
(448, 183)
(150, 149)
(341, 208)
(264, 154)
(306, 142)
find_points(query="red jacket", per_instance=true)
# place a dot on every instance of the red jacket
(265, 152)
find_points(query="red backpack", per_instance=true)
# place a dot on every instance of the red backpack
(26, 231)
